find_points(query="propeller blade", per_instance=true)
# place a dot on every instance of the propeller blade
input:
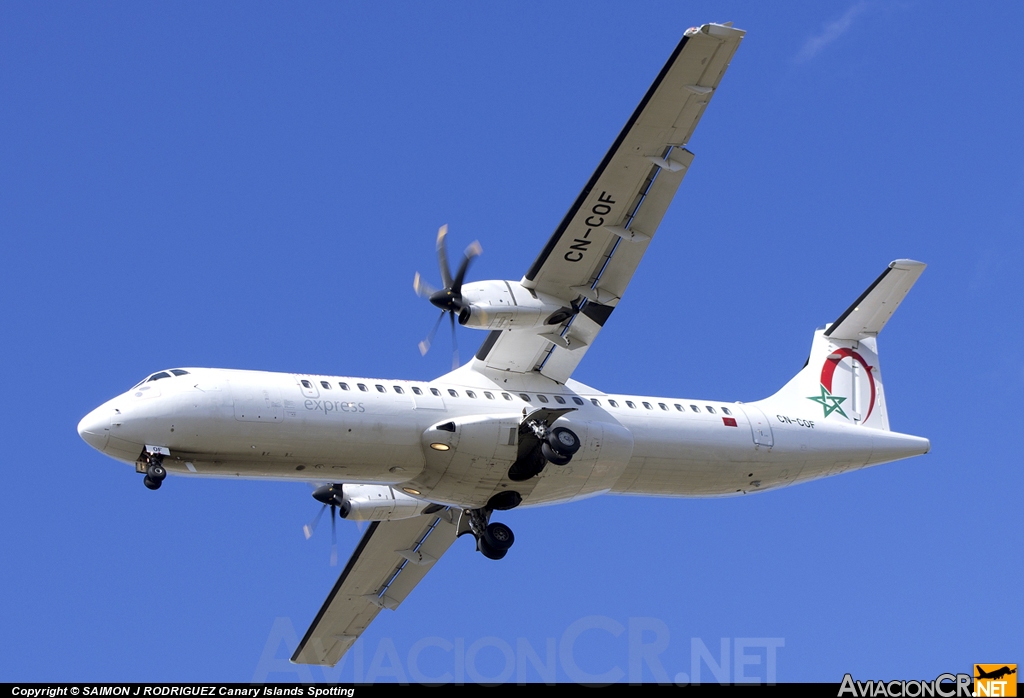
(455, 344)
(425, 344)
(472, 252)
(442, 256)
(311, 526)
(334, 539)
(423, 289)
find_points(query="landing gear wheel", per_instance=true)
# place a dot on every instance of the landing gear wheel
(563, 441)
(498, 536)
(156, 472)
(551, 456)
(151, 483)
(491, 553)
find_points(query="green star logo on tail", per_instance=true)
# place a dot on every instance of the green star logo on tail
(829, 402)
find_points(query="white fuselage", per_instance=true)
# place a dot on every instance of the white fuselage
(229, 423)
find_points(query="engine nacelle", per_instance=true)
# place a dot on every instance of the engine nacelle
(378, 503)
(503, 305)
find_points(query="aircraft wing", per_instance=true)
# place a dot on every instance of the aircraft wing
(594, 251)
(391, 559)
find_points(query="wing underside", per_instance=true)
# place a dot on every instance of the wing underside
(593, 253)
(391, 558)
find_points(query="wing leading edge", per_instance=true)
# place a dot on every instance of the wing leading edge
(390, 560)
(591, 257)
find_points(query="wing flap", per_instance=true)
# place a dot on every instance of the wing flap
(626, 258)
(390, 560)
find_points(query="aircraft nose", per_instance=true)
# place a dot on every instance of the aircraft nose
(95, 428)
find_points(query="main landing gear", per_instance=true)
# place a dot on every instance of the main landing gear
(155, 472)
(492, 539)
(540, 445)
(559, 445)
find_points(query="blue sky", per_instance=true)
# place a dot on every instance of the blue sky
(254, 185)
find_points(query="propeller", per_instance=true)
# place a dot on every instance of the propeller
(449, 298)
(330, 496)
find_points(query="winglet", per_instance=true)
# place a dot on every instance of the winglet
(869, 313)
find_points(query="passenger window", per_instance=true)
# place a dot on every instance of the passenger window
(362, 387)
(629, 404)
(680, 407)
(710, 409)
(542, 398)
(305, 383)
(578, 400)
(663, 406)
(726, 410)
(596, 402)
(416, 390)
(179, 372)
(398, 389)
(489, 396)
(343, 386)
(326, 385)
(525, 396)
(470, 393)
(452, 392)
(694, 408)
(435, 391)
(506, 396)
(559, 399)
(648, 406)
(381, 388)
(613, 403)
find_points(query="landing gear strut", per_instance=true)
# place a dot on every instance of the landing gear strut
(155, 472)
(492, 539)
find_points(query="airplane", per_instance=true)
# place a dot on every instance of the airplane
(994, 674)
(425, 462)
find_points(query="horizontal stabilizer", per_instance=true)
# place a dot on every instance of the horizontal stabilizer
(869, 313)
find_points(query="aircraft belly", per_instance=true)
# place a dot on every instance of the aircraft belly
(473, 465)
(701, 460)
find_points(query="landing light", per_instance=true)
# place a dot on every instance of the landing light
(440, 447)
(410, 490)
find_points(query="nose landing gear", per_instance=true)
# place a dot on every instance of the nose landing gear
(155, 472)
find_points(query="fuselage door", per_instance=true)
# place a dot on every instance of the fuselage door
(760, 429)
(307, 386)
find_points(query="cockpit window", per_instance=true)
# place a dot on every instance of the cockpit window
(161, 374)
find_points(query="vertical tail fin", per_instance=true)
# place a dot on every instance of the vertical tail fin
(842, 381)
